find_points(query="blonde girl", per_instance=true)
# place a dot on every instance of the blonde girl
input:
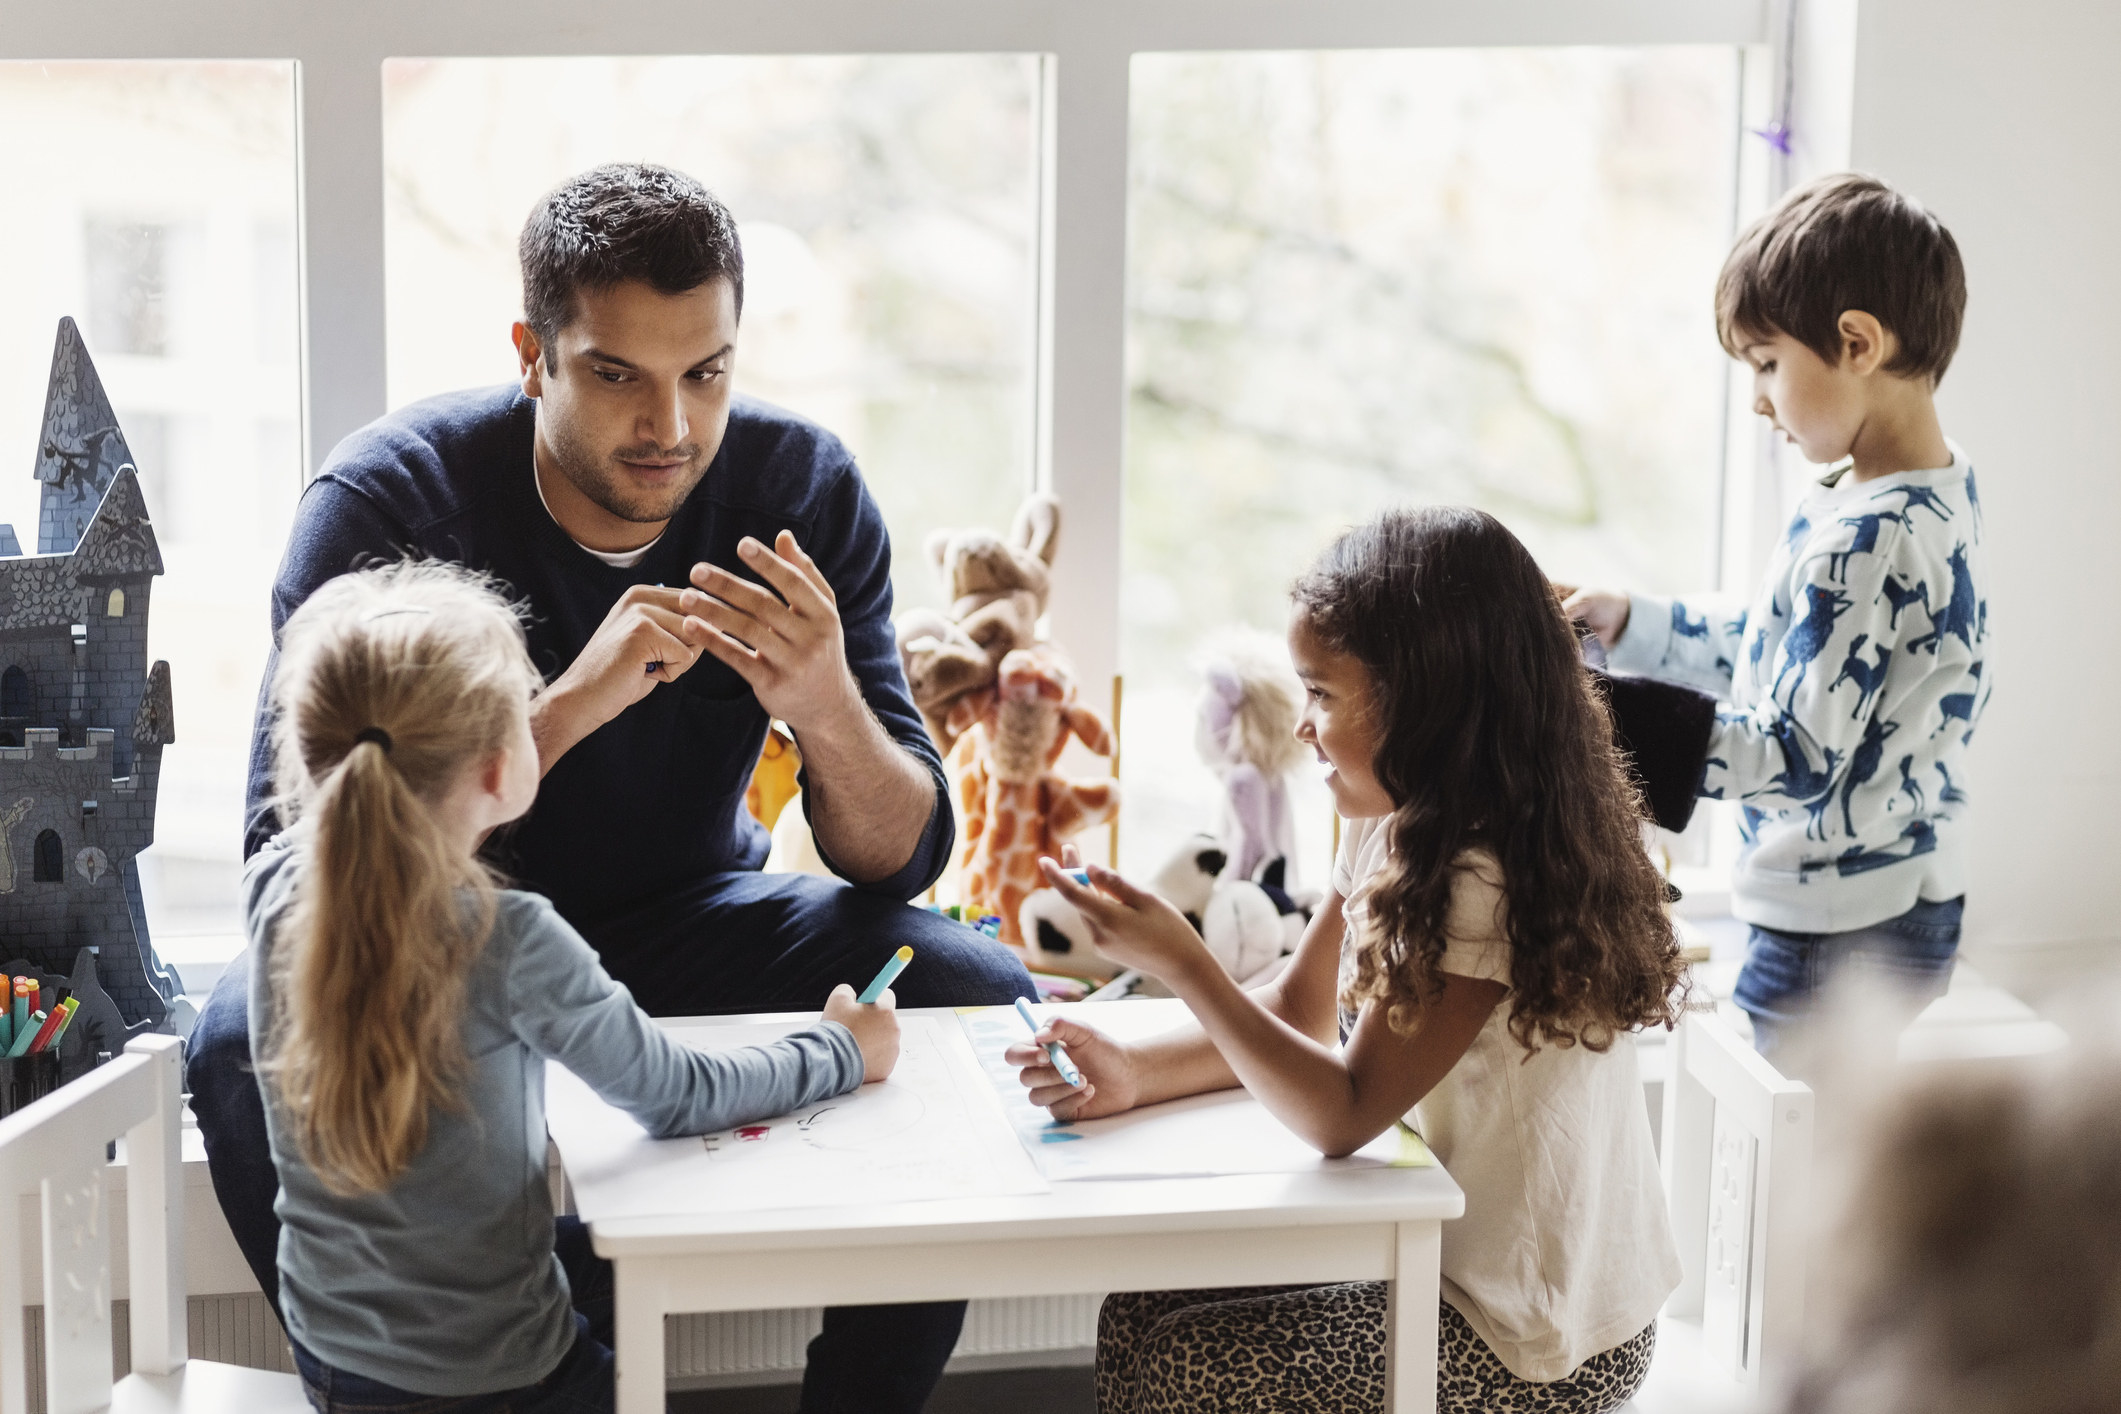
(403, 1005)
(1493, 933)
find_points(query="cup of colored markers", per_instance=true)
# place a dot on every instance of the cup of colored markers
(1062, 1062)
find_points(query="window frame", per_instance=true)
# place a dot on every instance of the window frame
(1084, 76)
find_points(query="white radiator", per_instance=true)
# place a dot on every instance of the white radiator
(723, 1348)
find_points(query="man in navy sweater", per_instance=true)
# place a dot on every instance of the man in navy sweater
(694, 563)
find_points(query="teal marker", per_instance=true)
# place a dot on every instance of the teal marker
(1054, 1053)
(25, 1034)
(885, 978)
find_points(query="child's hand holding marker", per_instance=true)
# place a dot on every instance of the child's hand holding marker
(1105, 1080)
(872, 1017)
(1055, 1052)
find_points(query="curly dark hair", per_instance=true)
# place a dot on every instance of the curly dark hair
(623, 221)
(1494, 739)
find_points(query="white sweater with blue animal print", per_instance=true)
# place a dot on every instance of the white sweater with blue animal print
(1850, 688)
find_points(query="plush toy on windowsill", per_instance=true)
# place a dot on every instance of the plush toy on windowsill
(1245, 730)
(1016, 807)
(1245, 927)
(998, 589)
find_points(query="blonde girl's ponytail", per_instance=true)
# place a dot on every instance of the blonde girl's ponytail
(392, 685)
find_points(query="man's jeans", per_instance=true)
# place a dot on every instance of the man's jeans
(1912, 954)
(738, 942)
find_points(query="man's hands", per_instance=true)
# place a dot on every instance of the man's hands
(868, 798)
(791, 654)
(652, 635)
(790, 649)
(1111, 1074)
(1602, 611)
(875, 1028)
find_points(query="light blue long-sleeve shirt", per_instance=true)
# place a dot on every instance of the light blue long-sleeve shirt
(445, 1283)
(1850, 688)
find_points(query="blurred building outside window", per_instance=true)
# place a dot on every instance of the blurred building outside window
(155, 204)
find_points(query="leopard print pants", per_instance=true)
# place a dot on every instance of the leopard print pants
(1318, 1350)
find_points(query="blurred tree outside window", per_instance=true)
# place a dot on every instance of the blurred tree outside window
(154, 202)
(888, 207)
(1365, 279)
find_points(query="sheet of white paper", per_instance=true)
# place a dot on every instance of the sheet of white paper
(934, 1130)
(1223, 1132)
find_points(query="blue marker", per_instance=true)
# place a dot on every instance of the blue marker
(1054, 1052)
(885, 978)
(1081, 876)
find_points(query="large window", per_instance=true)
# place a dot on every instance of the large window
(889, 213)
(1358, 280)
(155, 204)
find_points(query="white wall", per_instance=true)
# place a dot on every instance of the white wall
(2005, 119)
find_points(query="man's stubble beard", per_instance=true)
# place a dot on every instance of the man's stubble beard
(594, 474)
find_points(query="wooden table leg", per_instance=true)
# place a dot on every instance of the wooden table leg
(1410, 1319)
(638, 1320)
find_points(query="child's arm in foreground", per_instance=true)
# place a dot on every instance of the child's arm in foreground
(566, 1007)
(1278, 1044)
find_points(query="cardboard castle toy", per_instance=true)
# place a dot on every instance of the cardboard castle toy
(83, 718)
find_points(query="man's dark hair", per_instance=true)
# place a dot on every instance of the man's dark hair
(1839, 243)
(623, 221)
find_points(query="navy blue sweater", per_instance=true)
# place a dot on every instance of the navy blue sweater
(654, 798)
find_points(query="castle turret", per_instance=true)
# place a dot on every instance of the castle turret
(81, 449)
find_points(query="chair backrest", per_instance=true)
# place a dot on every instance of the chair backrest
(56, 1149)
(1737, 1167)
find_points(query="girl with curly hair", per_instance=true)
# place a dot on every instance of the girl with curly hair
(1493, 934)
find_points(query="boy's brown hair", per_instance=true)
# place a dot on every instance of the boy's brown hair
(1845, 242)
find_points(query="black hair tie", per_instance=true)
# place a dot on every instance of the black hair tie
(376, 735)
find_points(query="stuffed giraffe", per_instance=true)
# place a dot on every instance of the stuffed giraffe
(1016, 807)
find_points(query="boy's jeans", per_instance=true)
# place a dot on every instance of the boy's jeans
(1784, 972)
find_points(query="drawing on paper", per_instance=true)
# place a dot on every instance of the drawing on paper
(932, 1131)
(857, 1128)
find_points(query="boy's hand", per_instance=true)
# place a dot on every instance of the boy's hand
(1132, 926)
(1110, 1079)
(1602, 611)
(875, 1028)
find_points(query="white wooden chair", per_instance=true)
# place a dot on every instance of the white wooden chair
(55, 1149)
(1737, 1154)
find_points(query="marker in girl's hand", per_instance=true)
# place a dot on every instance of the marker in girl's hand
(885, 978)
(1054, 1052)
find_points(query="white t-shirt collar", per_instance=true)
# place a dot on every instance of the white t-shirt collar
(618, 560)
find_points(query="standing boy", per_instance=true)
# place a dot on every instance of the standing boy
(1851, 685)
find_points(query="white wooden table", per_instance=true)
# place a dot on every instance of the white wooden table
(1326, 1225)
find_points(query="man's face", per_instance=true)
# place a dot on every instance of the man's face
(636, 398)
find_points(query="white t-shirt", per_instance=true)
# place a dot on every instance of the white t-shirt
(617, 559)
(1565, 1249)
